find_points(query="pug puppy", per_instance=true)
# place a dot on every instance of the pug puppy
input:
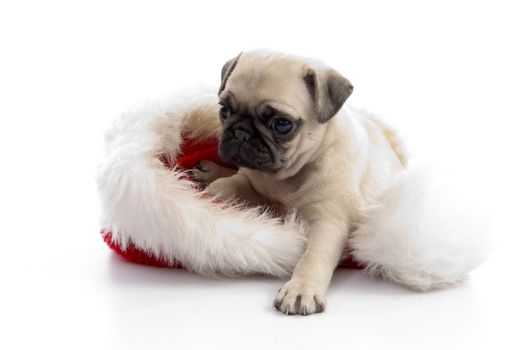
(299, 147)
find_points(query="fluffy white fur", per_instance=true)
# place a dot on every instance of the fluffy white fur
(424, 233)
(414, 236)
(163, 214)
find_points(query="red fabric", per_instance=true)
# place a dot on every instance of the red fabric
(191, 153)
(134, 254)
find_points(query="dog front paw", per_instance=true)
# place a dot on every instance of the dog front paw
(207, 171)
(299, 298)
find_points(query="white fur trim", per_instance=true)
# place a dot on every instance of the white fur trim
(163, 214)
(424, 234)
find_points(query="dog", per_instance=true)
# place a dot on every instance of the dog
(299, 146)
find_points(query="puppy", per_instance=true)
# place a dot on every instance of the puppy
(298, 146)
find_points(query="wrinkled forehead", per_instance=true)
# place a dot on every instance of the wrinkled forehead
(279, 85)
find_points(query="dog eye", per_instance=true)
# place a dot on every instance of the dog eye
(282, 126)
(224, 112)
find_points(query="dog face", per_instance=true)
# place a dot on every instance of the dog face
(275, 108)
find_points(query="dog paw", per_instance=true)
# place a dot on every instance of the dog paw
(205, 171)
(299, 298)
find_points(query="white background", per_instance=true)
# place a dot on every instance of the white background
(450, 75)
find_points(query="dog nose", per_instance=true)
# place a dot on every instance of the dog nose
(241, 135)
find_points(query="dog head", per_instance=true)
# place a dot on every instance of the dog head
(275, 108)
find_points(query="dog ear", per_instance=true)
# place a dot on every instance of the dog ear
(227, 70)
(329, 90)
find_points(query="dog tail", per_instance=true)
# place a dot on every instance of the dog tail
(424, 234)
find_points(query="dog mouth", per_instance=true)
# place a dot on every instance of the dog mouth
(241, 162)
(251, 154)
